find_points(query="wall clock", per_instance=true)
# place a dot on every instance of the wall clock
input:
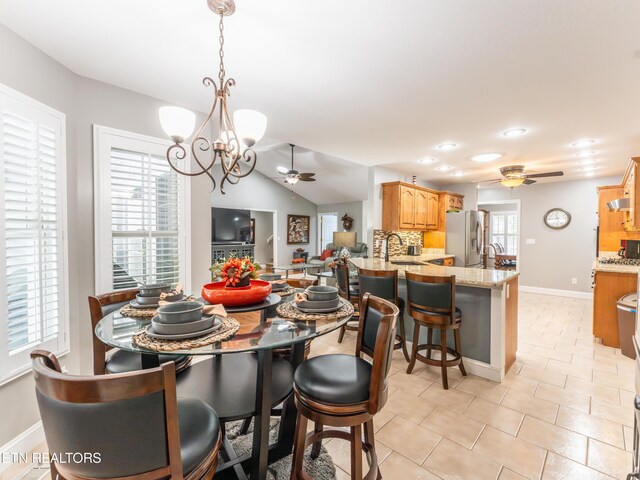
(557, 218)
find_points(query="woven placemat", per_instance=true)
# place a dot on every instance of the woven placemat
(287, 310)
(286, 292)
(229, 328)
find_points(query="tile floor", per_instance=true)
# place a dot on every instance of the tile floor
(564, 410)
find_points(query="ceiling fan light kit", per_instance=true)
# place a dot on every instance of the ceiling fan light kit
(233, 147)
(292, 176)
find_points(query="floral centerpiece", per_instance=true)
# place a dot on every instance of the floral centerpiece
(235, 272)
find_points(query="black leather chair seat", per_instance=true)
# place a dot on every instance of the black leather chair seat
(122, 361)
(227, 383)
(335, 379)
(199, 429)
(424, 312)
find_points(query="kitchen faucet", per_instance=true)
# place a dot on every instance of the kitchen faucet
(386, 253)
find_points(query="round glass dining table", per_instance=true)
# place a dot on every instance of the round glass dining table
(261, 332)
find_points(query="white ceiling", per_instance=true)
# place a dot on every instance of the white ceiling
(379, 82)
(338, 181)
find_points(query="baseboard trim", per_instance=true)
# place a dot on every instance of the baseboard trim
(23, 444)
(556, 292)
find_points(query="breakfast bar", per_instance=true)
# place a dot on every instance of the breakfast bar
(489, 303)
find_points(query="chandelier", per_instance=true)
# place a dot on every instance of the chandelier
(232, 148)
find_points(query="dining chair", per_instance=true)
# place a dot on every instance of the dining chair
(349, 291)
(126, 426)
(120, 361)
(384, 284)
(432, 304)
(339, 390)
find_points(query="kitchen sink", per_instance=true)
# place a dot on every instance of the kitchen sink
(406, 263)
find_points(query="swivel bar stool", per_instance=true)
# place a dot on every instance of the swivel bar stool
(341, 390)
(432, 304)
(350, 292)
(384, 284)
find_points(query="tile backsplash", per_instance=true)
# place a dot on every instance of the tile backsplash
(408, 238)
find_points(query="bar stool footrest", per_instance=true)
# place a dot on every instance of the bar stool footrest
(437, 362)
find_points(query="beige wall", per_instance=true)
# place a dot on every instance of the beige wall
(84, 102)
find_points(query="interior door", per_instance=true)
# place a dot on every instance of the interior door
(328, 225)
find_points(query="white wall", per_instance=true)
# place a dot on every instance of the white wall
(355, 211)
(84, 102)
(558, 255)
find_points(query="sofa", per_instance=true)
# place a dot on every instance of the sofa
(360, 250)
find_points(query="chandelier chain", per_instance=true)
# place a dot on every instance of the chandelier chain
(221, 75)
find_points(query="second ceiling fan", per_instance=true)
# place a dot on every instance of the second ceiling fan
(291, 176)
(513, 176)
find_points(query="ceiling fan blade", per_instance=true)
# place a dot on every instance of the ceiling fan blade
(547, 174)
(528, 181)
(306, 179)
(282, 169)
(306, 174)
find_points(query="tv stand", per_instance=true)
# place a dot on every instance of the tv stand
(231, 250)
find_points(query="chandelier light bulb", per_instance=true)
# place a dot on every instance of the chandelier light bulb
(177, 122)
(250, 125)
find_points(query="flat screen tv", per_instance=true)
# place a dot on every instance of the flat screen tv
(231, 226)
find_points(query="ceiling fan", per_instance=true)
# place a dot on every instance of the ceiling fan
(291, 176)
(513, 176)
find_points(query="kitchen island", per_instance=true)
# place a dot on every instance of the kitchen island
(489, 303)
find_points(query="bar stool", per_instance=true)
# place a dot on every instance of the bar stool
(384, 284)
(347, 391)
(432, 304)
(350, 292)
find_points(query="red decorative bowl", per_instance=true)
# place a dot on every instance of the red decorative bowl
(217, 292)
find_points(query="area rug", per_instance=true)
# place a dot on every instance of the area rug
(322, 468)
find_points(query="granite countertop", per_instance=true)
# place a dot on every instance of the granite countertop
(471, 277)
(424, 257)
(613, 268)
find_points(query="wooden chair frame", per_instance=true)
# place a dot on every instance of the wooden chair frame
(357, 417)
(401, 337)
(443, 319)
(50, 381)
(347, 295)
(100, 349)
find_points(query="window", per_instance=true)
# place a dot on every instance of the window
(142, 211)
(504, 230)
(33, 305)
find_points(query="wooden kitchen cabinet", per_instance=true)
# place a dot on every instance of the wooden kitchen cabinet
(454, 202)
(608, 288)
(409, 207)
(432, 211)
(447, 262)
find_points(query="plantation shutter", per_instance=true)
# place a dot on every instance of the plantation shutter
(142, 212)
(33, 260)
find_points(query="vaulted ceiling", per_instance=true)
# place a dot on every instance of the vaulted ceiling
(378, 82)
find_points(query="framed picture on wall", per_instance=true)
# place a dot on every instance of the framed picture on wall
(297, 229)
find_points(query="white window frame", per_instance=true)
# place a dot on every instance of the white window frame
(104, 139)
(18, 363)
(506, 235)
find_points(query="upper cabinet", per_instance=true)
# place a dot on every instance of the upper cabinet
(454, 202)
(410, 207)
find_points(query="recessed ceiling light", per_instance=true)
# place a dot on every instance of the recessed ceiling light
(457, 174)
(427, 160)
(447, 146)
(587, 161)
(514, 132)
(588, 169)
(486, 157)
(585, 153)
(444, 168)
(588, 174)
(583, 143)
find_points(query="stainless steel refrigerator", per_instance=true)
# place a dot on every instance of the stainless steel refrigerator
(464, 238)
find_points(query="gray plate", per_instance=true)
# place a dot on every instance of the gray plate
(317, 310)
(135, 304)
(180, 328)
(279, 287)
(314, 305)
(181, 336)
(142, 300)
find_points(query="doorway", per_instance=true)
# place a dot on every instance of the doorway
(328, 224)
(503, 230)
(265, 249)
